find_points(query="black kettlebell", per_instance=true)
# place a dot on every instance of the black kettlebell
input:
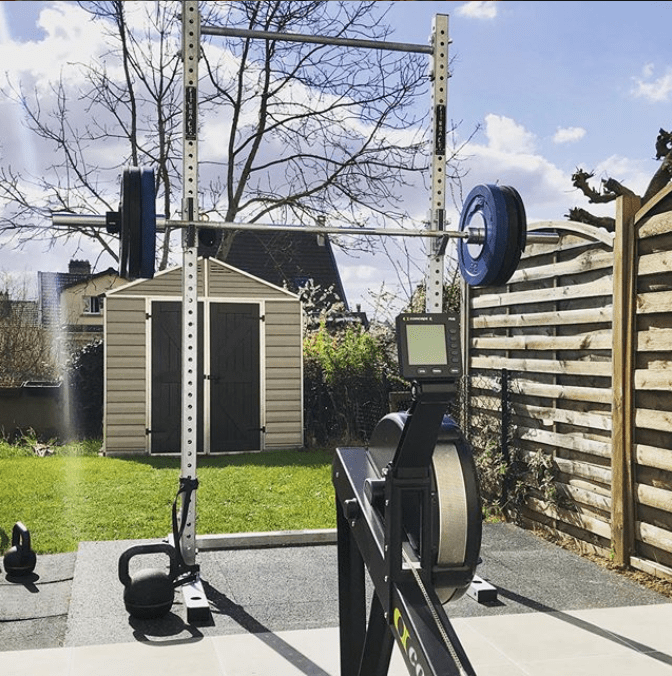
(150, 592)
(20, 560)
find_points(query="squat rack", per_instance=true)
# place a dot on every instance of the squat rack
(499, 217)
(192, 29)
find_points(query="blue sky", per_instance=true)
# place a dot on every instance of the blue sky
(552, 86)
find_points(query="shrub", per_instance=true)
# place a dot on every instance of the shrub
(85, 389)
(346, 384)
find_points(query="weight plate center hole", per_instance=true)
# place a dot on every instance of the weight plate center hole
(478, 228)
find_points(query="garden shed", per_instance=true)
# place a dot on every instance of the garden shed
(251, 389)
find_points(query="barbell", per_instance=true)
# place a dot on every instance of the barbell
(491, 237)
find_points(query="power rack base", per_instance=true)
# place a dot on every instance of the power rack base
(409, 512)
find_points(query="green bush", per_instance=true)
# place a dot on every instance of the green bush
(85, 385)
(346, 384)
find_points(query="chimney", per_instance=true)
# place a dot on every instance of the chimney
(79, 268)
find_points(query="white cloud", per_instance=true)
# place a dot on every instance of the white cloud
(568, 134)
(70, 37)
(505, 135)
(653, 90)
(509, 157)
(478, 10)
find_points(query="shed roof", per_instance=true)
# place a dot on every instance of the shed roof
(222, 279)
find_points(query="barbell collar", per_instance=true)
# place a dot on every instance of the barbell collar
(475, 235)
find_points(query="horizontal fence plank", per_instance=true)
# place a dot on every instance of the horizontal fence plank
(654, 302)
(659, 224)
(573, 234)
(571, 442)
(654, 340)
(549, 415)
(589, 316)
(482, 381)
(654, 497)
(584, 469)
(653, 379)
(559, 367)
(654, 536)
(587, 485)
(653, 420)
(650, 456)
(595, 289)
(652, 568)
(584, 262)
(534, 389)
(585, 521)
(595, 340)
(585, 497)
(655, 263)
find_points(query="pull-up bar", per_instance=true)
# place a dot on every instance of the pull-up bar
(316, 39)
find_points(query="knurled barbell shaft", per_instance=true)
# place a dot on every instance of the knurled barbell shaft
(472, 236)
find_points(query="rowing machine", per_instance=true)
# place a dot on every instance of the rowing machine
(408, 509)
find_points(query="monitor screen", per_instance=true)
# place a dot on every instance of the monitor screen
(426, 344)
(429, 346)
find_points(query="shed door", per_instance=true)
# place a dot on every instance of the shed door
(234, 377)
(166, 416)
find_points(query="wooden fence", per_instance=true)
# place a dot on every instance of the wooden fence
(583, 330)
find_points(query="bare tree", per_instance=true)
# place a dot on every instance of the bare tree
(315, 131)
(137, 115)
(304, 131)
(611, 188)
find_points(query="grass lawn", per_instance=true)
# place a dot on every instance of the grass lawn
(75, 495)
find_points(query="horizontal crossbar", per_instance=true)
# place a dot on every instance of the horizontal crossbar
(316, 39)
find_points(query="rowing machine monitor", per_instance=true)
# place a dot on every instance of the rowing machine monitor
(429, 347)
(409, 513)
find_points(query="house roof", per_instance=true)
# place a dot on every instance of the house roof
(287, 259)
(51, 284)
(88, 278)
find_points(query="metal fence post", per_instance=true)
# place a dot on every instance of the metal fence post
(505, 417)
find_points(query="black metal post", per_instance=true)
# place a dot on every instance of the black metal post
(504, 438)
(379, 643)
(505, 416)
(351, 597)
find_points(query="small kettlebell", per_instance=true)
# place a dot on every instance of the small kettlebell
(20, 560)
(150, 592)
